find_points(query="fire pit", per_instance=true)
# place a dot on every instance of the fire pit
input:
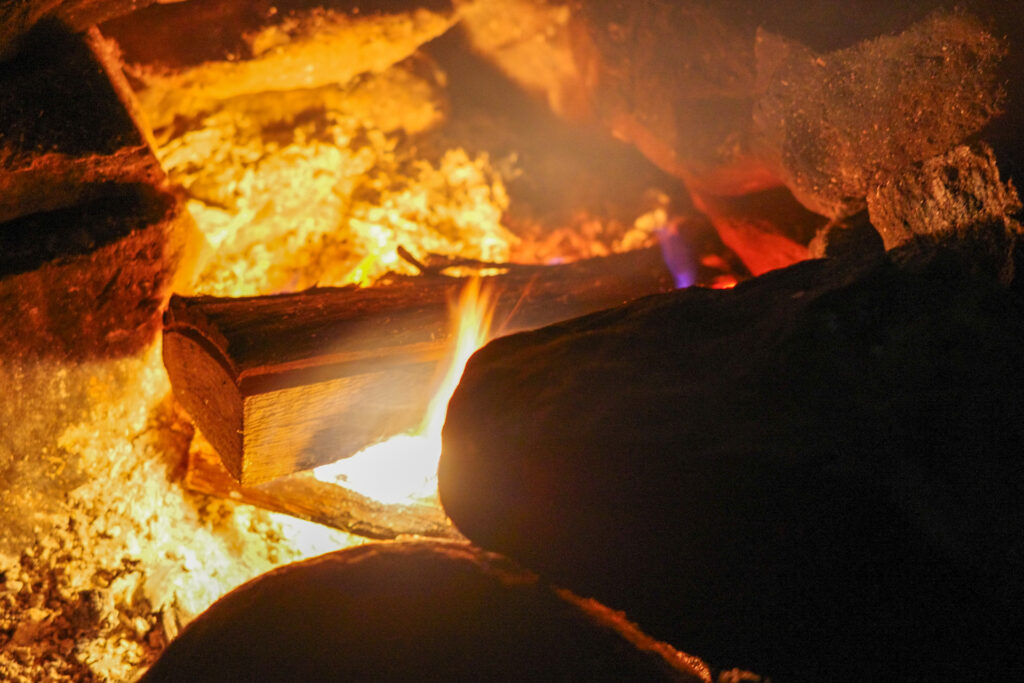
(235, 239)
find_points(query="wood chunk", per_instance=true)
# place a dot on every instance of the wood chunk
(815, 475)
(91, 280)
(302, 495)
(189, 56)
(950, 193)
(834, 124)
(414, 611)
(284, 383)
(68, 123)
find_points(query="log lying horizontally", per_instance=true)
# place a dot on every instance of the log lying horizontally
(284, 383)
(815, 475)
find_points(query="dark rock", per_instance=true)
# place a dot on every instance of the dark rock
(816, 475)
(414, 611)
(953, 193)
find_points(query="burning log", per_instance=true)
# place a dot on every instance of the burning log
(91, 280)
(188, 56)
(815, 475)
(284, 383)
(67, 124)
(410, 611)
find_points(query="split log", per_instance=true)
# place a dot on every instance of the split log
(68, 123)
(815, 475)
(91, 281)
(284, 383)
(188, 56)
(414, 611)
(302, 495)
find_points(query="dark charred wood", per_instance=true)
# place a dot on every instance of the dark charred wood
(91, 281)
(67, 124)
(302, 495)
(815, 475)
(414, 611)
(284, 383)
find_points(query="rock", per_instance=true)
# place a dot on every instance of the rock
(951, 193)
(814, 475)
(834, 124)
(91, 281)
(188, 56)
(414, 611)
(68, 124)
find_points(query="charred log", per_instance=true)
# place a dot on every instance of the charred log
(412, 611)
(815, 475)
(284, 383)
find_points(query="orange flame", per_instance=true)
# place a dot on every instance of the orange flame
(403, 469)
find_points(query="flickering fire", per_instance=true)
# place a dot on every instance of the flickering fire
(403, 469)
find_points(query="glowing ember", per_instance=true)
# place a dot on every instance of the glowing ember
(403, 469)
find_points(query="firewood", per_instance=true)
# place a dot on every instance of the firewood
(68, 123)
(91, 280)
(414, 611)
(815, 475)
(302, 495)
(284, 383)
(188, 56)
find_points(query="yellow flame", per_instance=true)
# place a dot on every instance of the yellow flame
(403, 469)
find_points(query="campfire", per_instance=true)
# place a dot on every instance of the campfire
(705, 313)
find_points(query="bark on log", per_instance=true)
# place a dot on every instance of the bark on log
(68, 123)
(91, 281)
(302, 495)
(188, 56)
(815, 475)
(284, 383)
(414, 611)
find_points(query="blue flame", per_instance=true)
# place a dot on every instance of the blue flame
(678, 256)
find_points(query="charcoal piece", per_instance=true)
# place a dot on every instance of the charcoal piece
(815, 475)
(91, 280)
(950, 193)
(834, 124)
(414, 611)
(67, 124)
